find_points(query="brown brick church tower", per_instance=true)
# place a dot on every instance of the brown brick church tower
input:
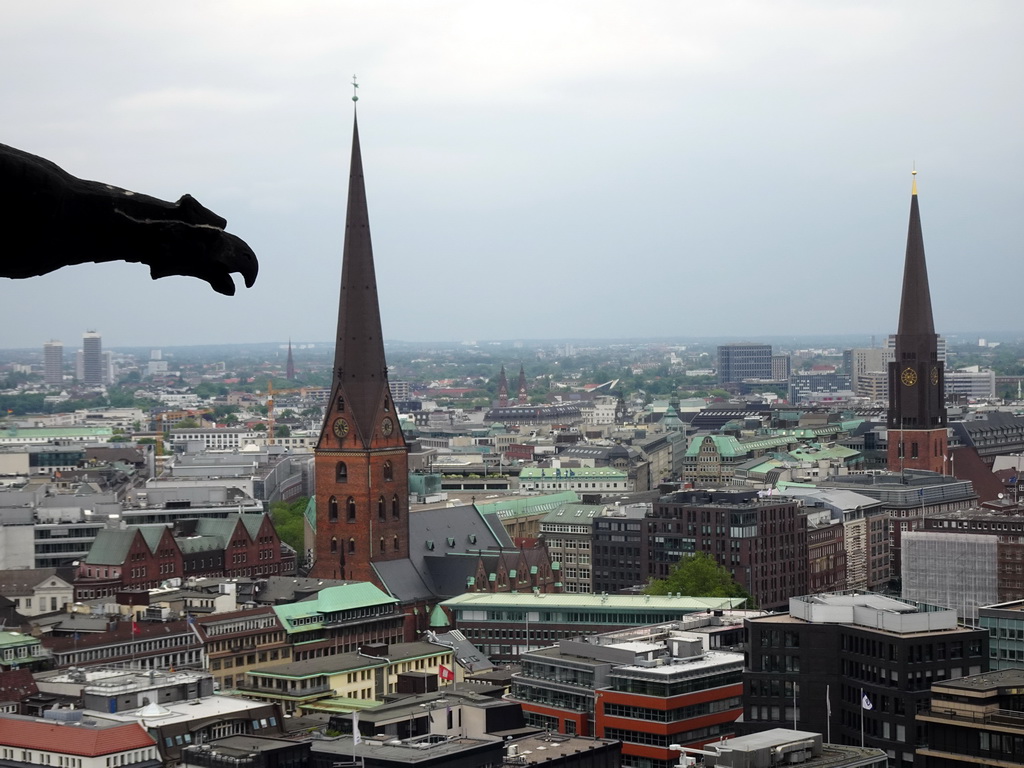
(361, 459)
(917, 410)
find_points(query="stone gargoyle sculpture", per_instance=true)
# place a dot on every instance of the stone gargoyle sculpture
(50, 219)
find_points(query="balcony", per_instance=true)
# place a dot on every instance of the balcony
(1005, 717)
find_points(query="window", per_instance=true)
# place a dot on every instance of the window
(341, 472)
(396, 544)
(351, 546)
(332, 510)
(396, 511)
(389, 472)
(380, 509)
(351, 509)
(334, 544)
(382, 545)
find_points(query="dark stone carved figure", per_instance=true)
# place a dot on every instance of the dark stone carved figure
(50, 219)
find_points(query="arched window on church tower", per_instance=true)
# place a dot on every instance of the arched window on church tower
(396, 544)
(389, 472)
(341, 472)
(334, 544)
(396, 511)
(332, 510)
(382, 545)
(351, 546)
(380, 509)
(351, 509)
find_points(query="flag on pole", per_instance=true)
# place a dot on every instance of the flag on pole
(356, 737)
(865, 702)
(136, 630)
(445, 674)
(195, 630)
(828, 701)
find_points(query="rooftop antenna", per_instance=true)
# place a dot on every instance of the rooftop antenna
(355, 89)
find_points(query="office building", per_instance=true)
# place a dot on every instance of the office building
(92, 360)
(737, 362)
(53, 363)
(648, 687)
(975, 720)
(835, 660)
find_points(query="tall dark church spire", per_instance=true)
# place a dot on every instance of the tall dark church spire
(290, 365)
(917, 411)
(361, 459)
(360, 370)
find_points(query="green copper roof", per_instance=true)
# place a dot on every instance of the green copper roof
(729, 447)
(576, 473)
(345, 597)
(438, 618)
(526, 505)
(110, 547)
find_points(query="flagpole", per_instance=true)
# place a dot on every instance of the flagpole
(828, 713)
(862, 718)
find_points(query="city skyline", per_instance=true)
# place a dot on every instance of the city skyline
(682, 159)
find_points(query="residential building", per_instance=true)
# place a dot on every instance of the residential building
(650, 688)
(917, 406)
(862, 658)
(974, 720)
(144, 556)
(53, 363)
(618, 549)
(147, 645)
(21, 651)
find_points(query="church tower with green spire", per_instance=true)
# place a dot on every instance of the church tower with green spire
(917, 410)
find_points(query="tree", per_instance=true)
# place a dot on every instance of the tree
(288, 522)
(187, 424)
(282, 430)
(698, 575)
(259, 427)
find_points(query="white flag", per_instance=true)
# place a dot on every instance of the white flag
(866, 702)
(828, 701)
(356, 738)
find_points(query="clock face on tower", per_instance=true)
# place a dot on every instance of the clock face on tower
(935, 375)
(387, 426)
(340, 427)
(909, 377)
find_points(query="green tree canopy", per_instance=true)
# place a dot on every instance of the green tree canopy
(288, 522)
(698, 575)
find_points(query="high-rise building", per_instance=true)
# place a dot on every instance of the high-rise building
(917, 409)
(53, 363)
(92, 359)
(361, 458)
(737, 362)
(782, 367)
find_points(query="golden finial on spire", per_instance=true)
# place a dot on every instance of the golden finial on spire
(913, 172)
(355, 89)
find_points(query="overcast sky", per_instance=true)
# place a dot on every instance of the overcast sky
(535, 169)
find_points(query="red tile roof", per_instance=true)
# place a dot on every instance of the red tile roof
(72, 739)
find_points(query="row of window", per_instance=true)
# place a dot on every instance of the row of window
(350, 508)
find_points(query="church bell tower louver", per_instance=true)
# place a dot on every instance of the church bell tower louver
(917, 410)
(361, 458)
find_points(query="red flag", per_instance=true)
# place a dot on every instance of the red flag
(446, 674)
(135, 628)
